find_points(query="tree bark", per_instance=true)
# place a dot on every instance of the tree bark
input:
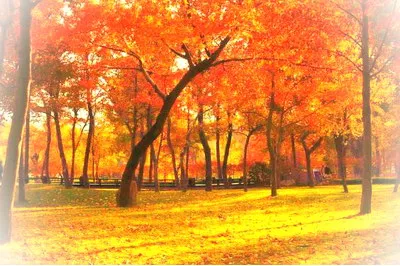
(21, 178)
(341, 159)
(246, 145)
(18, 119)
(226, 155)
(67, 181)
(308, 151)
(270, 144)
(85, 177)
(217, 147)
(45, 168)
(73, 140)
(172, 151)
(366, 195)
(126, 197)
(206, 149)
(378, 162)
(397, 169)
(293, 144)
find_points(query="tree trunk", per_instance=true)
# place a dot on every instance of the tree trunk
(226, 155)
(18, 119)
(155, 168)
(206, 149)
(218, 151)
(293, 144)
(21, 178)
(246, 145)
(73, 140)
(270, 145)
(397, 168)
(85, 170)
(366, 195)
(308, 152)
(65, 174)
(172, 151)
(141, 170)
(27, 156)
(126, 197)
(45, 168)
(341, 159)
(378, 162)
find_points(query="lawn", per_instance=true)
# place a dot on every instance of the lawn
(300, 226)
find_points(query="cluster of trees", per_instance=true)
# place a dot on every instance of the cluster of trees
(155, 84)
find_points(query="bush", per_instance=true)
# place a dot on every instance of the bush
(260, 173)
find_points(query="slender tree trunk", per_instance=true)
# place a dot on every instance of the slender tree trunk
(341, 160)
(45, 168)
(293, 144)
(397, 169)
(218, 151)
(73, 140)
(18, 119)
(127, 195)
(378, 161)
(65, 174)
(206, 149)
(27, 137)
(270, 144)
(155, 168)
(366, 195)
(142, 160)
(21, 178)
(85, 170)
(226, 155)
(310, 175)
(246, 145)
(172, 151)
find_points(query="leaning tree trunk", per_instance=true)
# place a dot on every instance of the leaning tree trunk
(64, 165)
(341, 159)
(46, 159)
(206, 149)
(85, 176)
(127, 195)
(226, 155)
(366, 195)
(18, 119)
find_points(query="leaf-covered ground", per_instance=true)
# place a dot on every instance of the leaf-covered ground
(300, 226)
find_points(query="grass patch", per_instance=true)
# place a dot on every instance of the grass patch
(300, 226)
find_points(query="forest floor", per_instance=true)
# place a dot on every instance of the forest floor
(301, 226)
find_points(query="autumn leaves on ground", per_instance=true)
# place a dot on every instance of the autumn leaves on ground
(301, 225)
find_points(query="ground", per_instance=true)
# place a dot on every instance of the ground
(300, 226)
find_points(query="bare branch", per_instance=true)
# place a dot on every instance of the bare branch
(385, 64)
(357, 42)
(348, 13)
(187, 55)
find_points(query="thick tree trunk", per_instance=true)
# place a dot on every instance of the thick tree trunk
(67, 181)
(206, 149)
(172, 151)
(18, 119)
(226, 155)
(310, 174)
(127, 196)
(366, 195)
(46, 159)
(85, 170)
(293, 144)
(341, 160)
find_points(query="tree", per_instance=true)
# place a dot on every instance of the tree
(18, 120)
